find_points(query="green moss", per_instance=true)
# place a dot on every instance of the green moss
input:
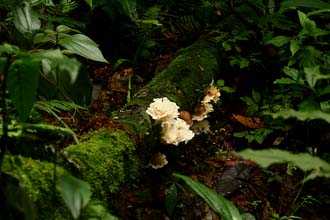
(38, 180)
(192, 69)
(107, 161)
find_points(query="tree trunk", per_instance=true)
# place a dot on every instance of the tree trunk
(108, 160)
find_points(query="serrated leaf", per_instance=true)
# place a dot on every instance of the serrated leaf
(25, 20)
(22, 84)
(82, 45)
(218, 203)
(75, 193)
(303, 161)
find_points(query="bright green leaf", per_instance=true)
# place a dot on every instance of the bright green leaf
(22, 83)
(224, 207)
(65, 29)
(89, 3)
(293, 73)
(311, 75)
(75, 193)
(278, 41)
(82, 45)
(294, 47)
(285, 81)
(25, 20)
(303, 161)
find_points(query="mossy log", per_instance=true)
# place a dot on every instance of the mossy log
(108, 159)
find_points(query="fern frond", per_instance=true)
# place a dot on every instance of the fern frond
(68, 5)
(56, 106)
(152, 13)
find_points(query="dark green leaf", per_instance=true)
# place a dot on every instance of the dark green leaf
(22, 83)
(75, 193)
(224, 207)
(171, 199)
(82, 45)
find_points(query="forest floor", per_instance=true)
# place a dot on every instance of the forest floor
(266, 194)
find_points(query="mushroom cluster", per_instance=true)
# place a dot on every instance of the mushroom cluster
(174, 129)
(178, 126)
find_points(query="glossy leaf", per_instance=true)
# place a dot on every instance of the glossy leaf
(82, 45)
(25, 20)
(224, 207)
(22, 84)
(75, 193)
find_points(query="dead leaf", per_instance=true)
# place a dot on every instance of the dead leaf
(250, 122)
(119, 80)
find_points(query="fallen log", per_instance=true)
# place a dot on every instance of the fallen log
(108, 159)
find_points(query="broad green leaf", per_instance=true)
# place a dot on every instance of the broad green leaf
(278, 41)
(22, 84)
(224, 207)
(285, 81)
(248, 216)
(310, 74)
(309, 56)
(129, 8)
(65, 29)
(305, 21)
(313, 74)
(294, 47)
(75, 193)
(89, 3)
(293, 4)
(302, 116)
(82, 45)
(25, 20)
(9, 49)
(303, 161)
(256, 96)
(293, 73)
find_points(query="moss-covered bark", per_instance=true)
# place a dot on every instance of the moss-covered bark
(108, 159)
